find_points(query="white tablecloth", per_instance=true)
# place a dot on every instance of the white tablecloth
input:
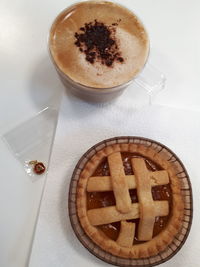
(29, 82)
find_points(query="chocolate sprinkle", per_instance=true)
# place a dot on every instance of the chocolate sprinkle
(98, 42)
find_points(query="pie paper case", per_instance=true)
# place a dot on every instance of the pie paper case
(159, 248)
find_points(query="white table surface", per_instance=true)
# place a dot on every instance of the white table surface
(28, 82)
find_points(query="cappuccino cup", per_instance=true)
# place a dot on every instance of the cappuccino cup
(98, 48)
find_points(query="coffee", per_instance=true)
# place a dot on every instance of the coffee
(114, 57)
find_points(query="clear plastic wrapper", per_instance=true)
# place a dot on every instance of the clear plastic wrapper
(32, 140)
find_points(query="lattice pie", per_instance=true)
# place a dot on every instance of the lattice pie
(129, 200)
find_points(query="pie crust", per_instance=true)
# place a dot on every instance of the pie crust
(146, 209)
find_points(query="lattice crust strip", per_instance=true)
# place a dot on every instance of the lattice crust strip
(146, 203)
(110, 214)
(103, 183)
(126, 234)
(119, 183)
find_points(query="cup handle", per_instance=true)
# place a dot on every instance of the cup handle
(151, 80)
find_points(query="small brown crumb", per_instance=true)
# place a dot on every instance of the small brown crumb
(120, 59)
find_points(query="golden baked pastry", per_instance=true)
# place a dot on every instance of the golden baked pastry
(129, 199)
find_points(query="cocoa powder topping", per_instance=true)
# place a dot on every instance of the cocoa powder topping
(98, 42)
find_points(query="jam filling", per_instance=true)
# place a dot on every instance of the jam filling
(105, 199)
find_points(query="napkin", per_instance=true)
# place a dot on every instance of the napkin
(80, 126)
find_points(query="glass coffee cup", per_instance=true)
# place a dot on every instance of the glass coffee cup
(99, 69)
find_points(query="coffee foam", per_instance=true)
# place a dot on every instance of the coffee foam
(131, 38)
